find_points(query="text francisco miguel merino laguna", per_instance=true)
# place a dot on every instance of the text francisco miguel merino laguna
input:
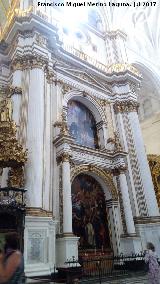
(78, 4)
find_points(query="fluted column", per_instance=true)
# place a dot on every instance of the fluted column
(126, 203)
(67, 201)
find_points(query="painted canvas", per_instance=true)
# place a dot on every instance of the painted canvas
(89, 213)
(82, 125)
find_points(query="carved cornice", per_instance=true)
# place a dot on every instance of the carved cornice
(125, 106)
(105, 160)
(147, 220)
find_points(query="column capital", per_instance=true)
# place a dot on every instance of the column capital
(29, 62)
(10, 90)
(65, 157)
(119, 171)
(125, 106)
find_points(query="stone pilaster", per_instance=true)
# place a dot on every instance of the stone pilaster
(67, 202)
(126, 204)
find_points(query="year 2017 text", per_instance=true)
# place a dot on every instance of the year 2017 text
(144, 4)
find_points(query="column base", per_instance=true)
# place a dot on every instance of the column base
(66, 249)
(130, 244)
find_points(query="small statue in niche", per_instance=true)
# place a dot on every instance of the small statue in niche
(6, 110)
(114, 144)
(117, 142)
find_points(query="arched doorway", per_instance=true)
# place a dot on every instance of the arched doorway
(89, 213)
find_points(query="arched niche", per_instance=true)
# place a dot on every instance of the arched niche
(82, 124)
(94, 107)
(104, 178)
(89, 214)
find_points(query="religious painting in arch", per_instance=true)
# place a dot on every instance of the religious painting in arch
(82, 125)
(89, 213)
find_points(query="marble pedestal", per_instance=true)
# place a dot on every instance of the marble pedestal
(66, 249)
(130, 244)
(39, 246)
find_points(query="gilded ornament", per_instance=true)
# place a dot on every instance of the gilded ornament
(66, 88)
(51, 77)
(62, 124)
(11, 152)
(106, 176)
(154, 164)
(117, 142)
(5, 110)
(16, 177)
(65, 157)
(123, 67)
(29, 62)
(125, 106)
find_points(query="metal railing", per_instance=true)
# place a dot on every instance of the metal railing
(105, 267)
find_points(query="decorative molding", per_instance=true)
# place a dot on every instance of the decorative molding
(147, 220)
(104, 159)
(82, 76)
(38, 212)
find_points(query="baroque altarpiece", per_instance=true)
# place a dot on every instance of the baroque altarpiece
(71, 140)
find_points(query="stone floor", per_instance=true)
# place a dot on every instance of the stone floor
(130, 280)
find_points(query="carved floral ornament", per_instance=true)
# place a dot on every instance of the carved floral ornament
(125, 106)
(105, 176)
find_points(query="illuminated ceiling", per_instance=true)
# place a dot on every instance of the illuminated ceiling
(141, 24)
(4, 6)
